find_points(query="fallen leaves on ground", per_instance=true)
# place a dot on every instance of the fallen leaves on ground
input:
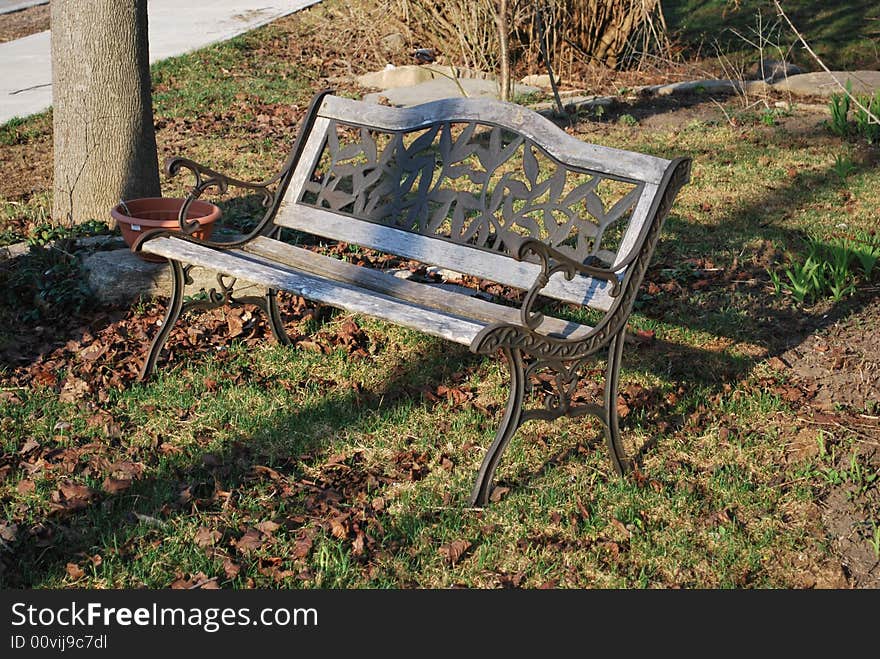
(452, 552)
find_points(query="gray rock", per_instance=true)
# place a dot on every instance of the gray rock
(393, 42)
(541, 80)
(573, 104)
(13, 251)
(439, 88)
(409, 75)
(396, 76)
(119, 277)
(771, 70)
(823, 84)
(692, 86)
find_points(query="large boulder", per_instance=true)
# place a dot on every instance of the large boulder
(119, 276)
(825, 84)
(439, 88)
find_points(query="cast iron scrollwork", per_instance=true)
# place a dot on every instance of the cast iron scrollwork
(205, 179)
(552, 262)
(220, 296)
(469, 183)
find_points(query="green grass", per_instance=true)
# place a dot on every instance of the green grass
(708, 515)
(844, 35)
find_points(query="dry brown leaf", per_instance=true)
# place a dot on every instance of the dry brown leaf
(251, 540)
(75, 571)
(263, 470)
(268, 527)
(231, 568)
(73, 390)
(453, 551)
(125, 469)
(311, 345)
(620, 526)
(28, 446)
(8, 532)
(72, 490)
(92, 352)
(776, 364)
(115, 485)
(357, 545)
(338, 527)
(25, 486)
(206, 537)
(45, 378)
(182, 583)
(582, 509)
(302, 547)
(235, 326)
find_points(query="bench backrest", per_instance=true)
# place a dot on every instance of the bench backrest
(459, 183)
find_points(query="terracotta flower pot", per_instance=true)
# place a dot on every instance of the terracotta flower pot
(136, 216)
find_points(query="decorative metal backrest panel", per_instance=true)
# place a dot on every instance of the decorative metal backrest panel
(472, 183)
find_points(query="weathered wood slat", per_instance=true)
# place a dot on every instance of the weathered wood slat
(640, 215)
(559, 144)
(434, 251)
(338, 294)
(308, 157)
(423, 294)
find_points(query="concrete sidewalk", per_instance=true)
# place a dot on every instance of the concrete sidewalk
(176, 27)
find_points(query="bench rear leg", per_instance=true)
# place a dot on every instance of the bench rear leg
(175, 306)
(274, 316)
(511, 421)
(622, 461)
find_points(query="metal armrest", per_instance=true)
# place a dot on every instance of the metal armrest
(553, 261)
(206, 178)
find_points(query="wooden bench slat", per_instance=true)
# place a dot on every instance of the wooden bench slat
(338, 294)
(452, 302)
(560, 145)
(434, 251)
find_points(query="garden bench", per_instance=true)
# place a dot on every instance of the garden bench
(480, 187)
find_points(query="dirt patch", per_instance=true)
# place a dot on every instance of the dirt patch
(842, 363)
(839, 368)
(23, 23)
(850, 515)
(27, 168)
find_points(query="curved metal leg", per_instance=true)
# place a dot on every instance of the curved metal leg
(274, 315)
(175, 305)
(509, 424)
(621, 461)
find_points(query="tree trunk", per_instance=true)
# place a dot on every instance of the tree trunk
(105, 144)
(503, 33)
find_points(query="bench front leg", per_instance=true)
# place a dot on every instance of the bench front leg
(513, 417)
(172, 314)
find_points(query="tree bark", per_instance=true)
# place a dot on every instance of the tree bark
(504, 55)
(105, 144)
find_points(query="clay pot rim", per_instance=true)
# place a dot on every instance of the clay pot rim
(204, 212)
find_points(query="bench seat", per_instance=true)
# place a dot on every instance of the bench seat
(424, 307)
